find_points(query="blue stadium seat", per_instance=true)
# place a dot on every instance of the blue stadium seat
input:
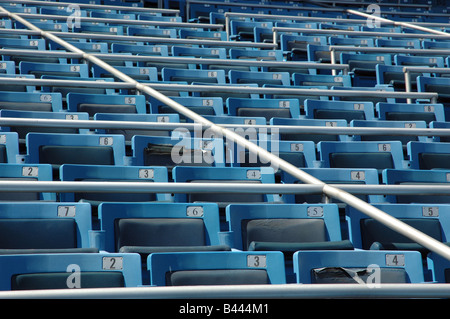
(295, 46)
(137, 73)
(22, 131)
(216, 268)
(115, 15)
(373, 99)
(294, 24)
(31, 101)
(439, 268)
(49, 25)
(260, 78)
(268, 108)
(301, 98)
(234, 123)
(315, 137)
(339, 110)
(24, 172)
(387, 29)
(358, 266)
(440, 125)
(438, 85)
(64, 90)
(101, 103)
(363, 67)
(7, 67)
(416, 177)
(264, 35)
(243, 30)
(367, 233)
(91, 47)
(216, 53)
(412, 60)
(189, 76)
(365, 176)
(25, 44)
(225, 95)
(199, 52)
(286, 228)
(410, 112)
(298, 153)
(9, 147)
(86, 173)
(59, 149)
(40, 69)
(177, 151)
(129, 133)
(45, 227)
(359, 42)
(168, 227)
(389, 137)
(16, 87)
(200, 105)
(329, 81)
(141, 49)
(335, 26)
(394, 76)
(429, 155)
(248, 54)
(430, 44)
(56, 271)
(391, 43)
(378, 155)
(320, 54)
(294, 227)
(203, 34)
(152, 32)
(262, 175)
(153, 17)
(235, 120)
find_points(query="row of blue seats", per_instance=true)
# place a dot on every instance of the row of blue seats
(110, 149)
(180, 227)
(62, 97)
(102, 270)
(200, 12)
(187, 174)
(89, 100)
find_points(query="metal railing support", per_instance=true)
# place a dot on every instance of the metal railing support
(407, 73)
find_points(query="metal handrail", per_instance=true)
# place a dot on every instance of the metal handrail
(275, 292)
(391, 222)
(229, 188)
(158, 126)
